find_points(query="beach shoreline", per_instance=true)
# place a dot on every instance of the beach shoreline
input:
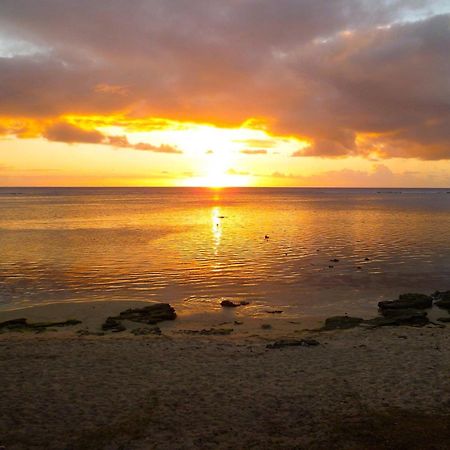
(357, 388)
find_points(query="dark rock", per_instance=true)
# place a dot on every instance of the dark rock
(293, 343)
(150, 315)
(111, 324)
(442, 299)
(66, 323)
(334, 260)
(14, 323)
(341, 322)
(209, 332)
(275, 311)
(236, 322)
(408, 301)
(438, 295)
(22, 324)
(393, 313)
(412, 318)
(216, 331)
(230, 304)
(146, 331)
(330, 267)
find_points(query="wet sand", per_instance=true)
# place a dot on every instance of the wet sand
(361, 388)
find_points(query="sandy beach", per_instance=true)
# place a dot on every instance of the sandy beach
(361, 388)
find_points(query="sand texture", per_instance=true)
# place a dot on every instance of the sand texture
(358, 389)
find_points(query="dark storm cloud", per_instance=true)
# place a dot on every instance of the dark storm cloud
(318, 69)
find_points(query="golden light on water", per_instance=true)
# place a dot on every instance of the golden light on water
(216, 228)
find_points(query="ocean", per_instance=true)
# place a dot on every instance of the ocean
(310, 252)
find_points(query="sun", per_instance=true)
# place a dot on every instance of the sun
(217, 170)
(206, 154)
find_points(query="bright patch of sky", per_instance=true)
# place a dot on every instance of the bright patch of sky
(11, 47)
(430, 8)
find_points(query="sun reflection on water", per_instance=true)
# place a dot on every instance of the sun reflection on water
(216, 219)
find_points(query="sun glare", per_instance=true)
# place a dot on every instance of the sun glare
(206, 155)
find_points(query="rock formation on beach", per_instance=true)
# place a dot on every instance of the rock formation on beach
(149, 315)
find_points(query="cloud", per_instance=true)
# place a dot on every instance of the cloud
(379, 176)
(70, 134)
(254, 152)
(122, 142)
(258, 143)
(65, 132)
(232, 171)
(111, 89)
(281, 175)
(352, 77)
(164, 148)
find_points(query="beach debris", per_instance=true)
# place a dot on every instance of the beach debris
(22, 324)
(208, 332)
(366, 259)
(334, 260)
(330, 267)
(230, 304)
(237, 322)
(266, 326)
(293, 343)
(341, 323)
(266, 236)
(408, 301)
(359, 268)
(146, 331)
(442, 299)
(150, 315)
(111, 324)
(275, 311)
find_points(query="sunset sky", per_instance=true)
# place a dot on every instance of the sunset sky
(225, 93)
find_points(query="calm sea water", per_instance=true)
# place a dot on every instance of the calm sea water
(194, 247)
